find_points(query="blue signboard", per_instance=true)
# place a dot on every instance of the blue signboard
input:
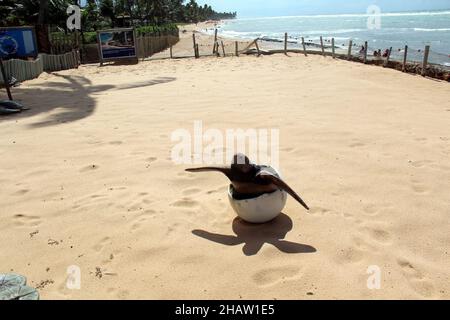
(18, 42)
(117, 43)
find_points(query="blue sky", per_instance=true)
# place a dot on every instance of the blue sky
(266, 8)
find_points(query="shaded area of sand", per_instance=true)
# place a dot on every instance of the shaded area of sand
(87, 180)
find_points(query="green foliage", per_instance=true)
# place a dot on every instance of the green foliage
(155, 29)
(152, 15)
(90, 37)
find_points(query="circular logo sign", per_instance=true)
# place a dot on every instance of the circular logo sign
(8, 45)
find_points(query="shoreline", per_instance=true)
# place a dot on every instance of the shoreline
(415, 52)
(206, 40)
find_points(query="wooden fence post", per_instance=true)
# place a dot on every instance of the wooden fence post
(349, 53)
(215, 41)
(365, 51)
(332, 48)
(223, 48)
(171, 53)
(195, 45)
(197, 51)
(405, 56)
(257, 47)
(304, 47)
(236, 47)
(425, 60)
(285, 42)
(321, 45)
(217, 49)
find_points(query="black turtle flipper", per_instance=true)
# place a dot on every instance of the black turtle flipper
(226, 171)
(270, 177)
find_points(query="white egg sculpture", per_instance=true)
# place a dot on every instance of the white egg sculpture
(261, 209)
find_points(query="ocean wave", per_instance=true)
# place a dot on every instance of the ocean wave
(349, 15)
(338, 31)
(431, 30)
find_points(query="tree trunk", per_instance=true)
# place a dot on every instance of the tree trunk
(43, 11)
(42, 28)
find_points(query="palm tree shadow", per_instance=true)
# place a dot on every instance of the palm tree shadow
(254, 236)
(69, 99)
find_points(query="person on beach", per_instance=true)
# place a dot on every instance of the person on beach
(385, 53)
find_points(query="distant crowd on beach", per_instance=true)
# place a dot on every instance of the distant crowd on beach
(376, 53)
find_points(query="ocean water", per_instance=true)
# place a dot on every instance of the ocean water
(415, 29)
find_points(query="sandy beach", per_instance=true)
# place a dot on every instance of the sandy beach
(87, 180)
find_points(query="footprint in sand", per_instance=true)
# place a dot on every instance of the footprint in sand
(222, 189)
(191, 191)
(171, 228)
(420, 164)
(322, 212)
(118, 293)
(185, 203)
(419, 187)
(186, 175)
(139, 221)
(349, 255)
(357, 144)
(101, 244)
(372, 210)
(271, 276)
(363, 245)
(378, 234)
(115, 143)
(421, 139)
(319, 211)
(416, 279)
(22, 220)
(21, 192)
(138, 224)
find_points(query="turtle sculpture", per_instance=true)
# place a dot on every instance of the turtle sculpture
(257, 193)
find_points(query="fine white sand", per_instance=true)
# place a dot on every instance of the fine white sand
(86, 179)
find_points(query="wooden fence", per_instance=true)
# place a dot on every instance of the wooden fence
(149, 45)
(29, 69)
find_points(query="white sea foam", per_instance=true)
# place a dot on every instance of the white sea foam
(431, 30)
(416, 29)
(349, 15)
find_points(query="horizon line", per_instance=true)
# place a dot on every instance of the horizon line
(444, 11)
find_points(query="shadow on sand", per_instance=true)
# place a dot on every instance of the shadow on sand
(67, 101)
(254, 236)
